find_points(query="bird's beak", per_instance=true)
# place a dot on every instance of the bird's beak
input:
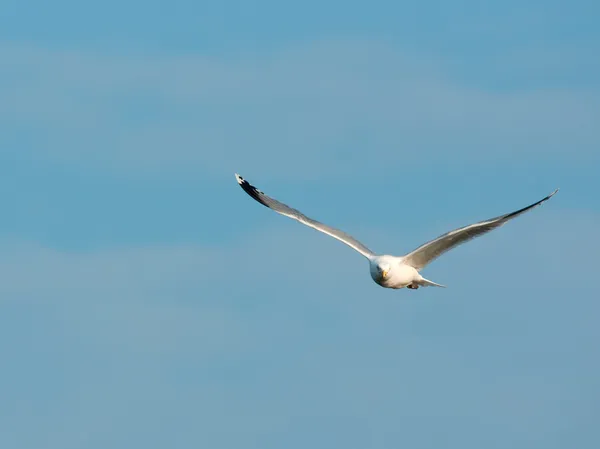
(384, 273)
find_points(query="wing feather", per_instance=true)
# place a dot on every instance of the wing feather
(287, 211)
(431, 250)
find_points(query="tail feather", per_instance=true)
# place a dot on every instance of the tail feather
(427, 283)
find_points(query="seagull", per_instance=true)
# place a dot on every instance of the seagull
(389, 271)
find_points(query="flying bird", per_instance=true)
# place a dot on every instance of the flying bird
(386, 270)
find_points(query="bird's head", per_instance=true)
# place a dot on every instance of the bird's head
(383, 269)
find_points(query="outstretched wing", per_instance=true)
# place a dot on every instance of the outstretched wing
(431, 250)
(283, 209)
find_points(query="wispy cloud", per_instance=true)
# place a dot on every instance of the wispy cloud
(186, 335)
(177, 281)
(250, 333)
(317, 110)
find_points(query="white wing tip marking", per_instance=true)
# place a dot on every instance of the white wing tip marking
(239, 179)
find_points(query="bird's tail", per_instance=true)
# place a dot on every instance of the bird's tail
(427, 283)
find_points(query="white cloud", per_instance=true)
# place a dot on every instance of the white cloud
(319, 110)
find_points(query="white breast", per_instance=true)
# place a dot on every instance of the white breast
(401, 275)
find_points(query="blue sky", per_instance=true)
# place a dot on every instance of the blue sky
(148, 302)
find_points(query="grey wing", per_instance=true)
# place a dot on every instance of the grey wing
(431, 250)
(284, 209)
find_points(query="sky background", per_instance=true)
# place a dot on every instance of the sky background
(147, 302)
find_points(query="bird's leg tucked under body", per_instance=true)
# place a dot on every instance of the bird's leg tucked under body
(412, 286)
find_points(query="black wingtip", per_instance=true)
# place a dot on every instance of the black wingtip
(250, 189)
(245, 184)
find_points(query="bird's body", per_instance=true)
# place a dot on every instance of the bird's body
(394, 272)
(397, 274)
